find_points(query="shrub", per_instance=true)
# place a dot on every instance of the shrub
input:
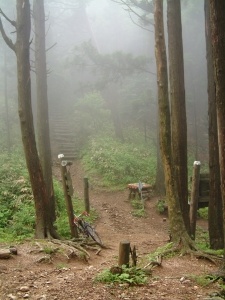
(116, 164)
(132, 276)
(16, 199)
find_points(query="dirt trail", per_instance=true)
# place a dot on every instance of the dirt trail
(22, 278)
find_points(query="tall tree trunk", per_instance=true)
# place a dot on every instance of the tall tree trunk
(25, 114)
(160, 177)
(217, 9)
(44, 227)
(7, 123)
(178, 106)
(43, 137)
(215, 203)
(177, 227)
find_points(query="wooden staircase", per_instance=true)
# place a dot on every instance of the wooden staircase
(62, 137)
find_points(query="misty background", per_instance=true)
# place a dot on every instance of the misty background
(76, 34)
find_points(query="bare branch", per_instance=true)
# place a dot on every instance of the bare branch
(31, 41)
(13, 23)
(49, 71)
(138, 24)
(33, 70)
(51, 47)
(47, 30)
(6, 38)
(130, 10)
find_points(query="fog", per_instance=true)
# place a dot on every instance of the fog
(109, 28)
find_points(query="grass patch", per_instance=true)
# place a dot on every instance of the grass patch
(161, 206)
(131, 276)
(161, 251)
(62, 223)
(138, 208)
(202, 242)
(17, 212)
(203, 280)
(203, 213)
(112, 163)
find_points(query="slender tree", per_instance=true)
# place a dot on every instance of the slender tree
(178, 105)
(21, 47)
(7, 123)
(215, 203)
(43, 137)
(177, 226)
(217, 20)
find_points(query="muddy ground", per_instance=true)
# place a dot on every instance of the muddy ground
(33, 274)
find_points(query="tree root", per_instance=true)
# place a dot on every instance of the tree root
(73, 245)
(215, 259)
(187, 247)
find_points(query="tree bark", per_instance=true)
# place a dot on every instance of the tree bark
(217, 9)
(215, 204)
(22, 50)
(7, 122)
(194, 197)
(177, 227)
(43, 136)
(178, 105)
(25, 113)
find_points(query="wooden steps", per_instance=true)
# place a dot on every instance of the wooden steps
(63, 140)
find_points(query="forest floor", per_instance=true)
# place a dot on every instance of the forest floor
(29, 275)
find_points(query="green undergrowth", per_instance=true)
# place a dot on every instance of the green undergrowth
(62, 223)
(111, 163)
(16, 199)
(131, 276)
(202, 280)
(17, 212)
(161, 206)
(203, 213)
(160, 251)
(202, 242)
(138, 209)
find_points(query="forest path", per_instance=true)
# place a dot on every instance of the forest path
(61, 279)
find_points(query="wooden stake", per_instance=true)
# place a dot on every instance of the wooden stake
(86, 195)
(69, 205)
(124, 253)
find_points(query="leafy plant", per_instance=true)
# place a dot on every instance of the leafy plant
(140, 213)
(138, 208)
(161, 206)
(202, 280)
(132, 276)
(49, 250)
(203, 213)
(202, 238)
(62, 223)
(16, 199)
(164, 251)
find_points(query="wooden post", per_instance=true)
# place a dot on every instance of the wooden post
(66, 189)
(86, 195)
(124, 253)
(194, 197)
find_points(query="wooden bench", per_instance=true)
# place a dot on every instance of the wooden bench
(142, 191)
